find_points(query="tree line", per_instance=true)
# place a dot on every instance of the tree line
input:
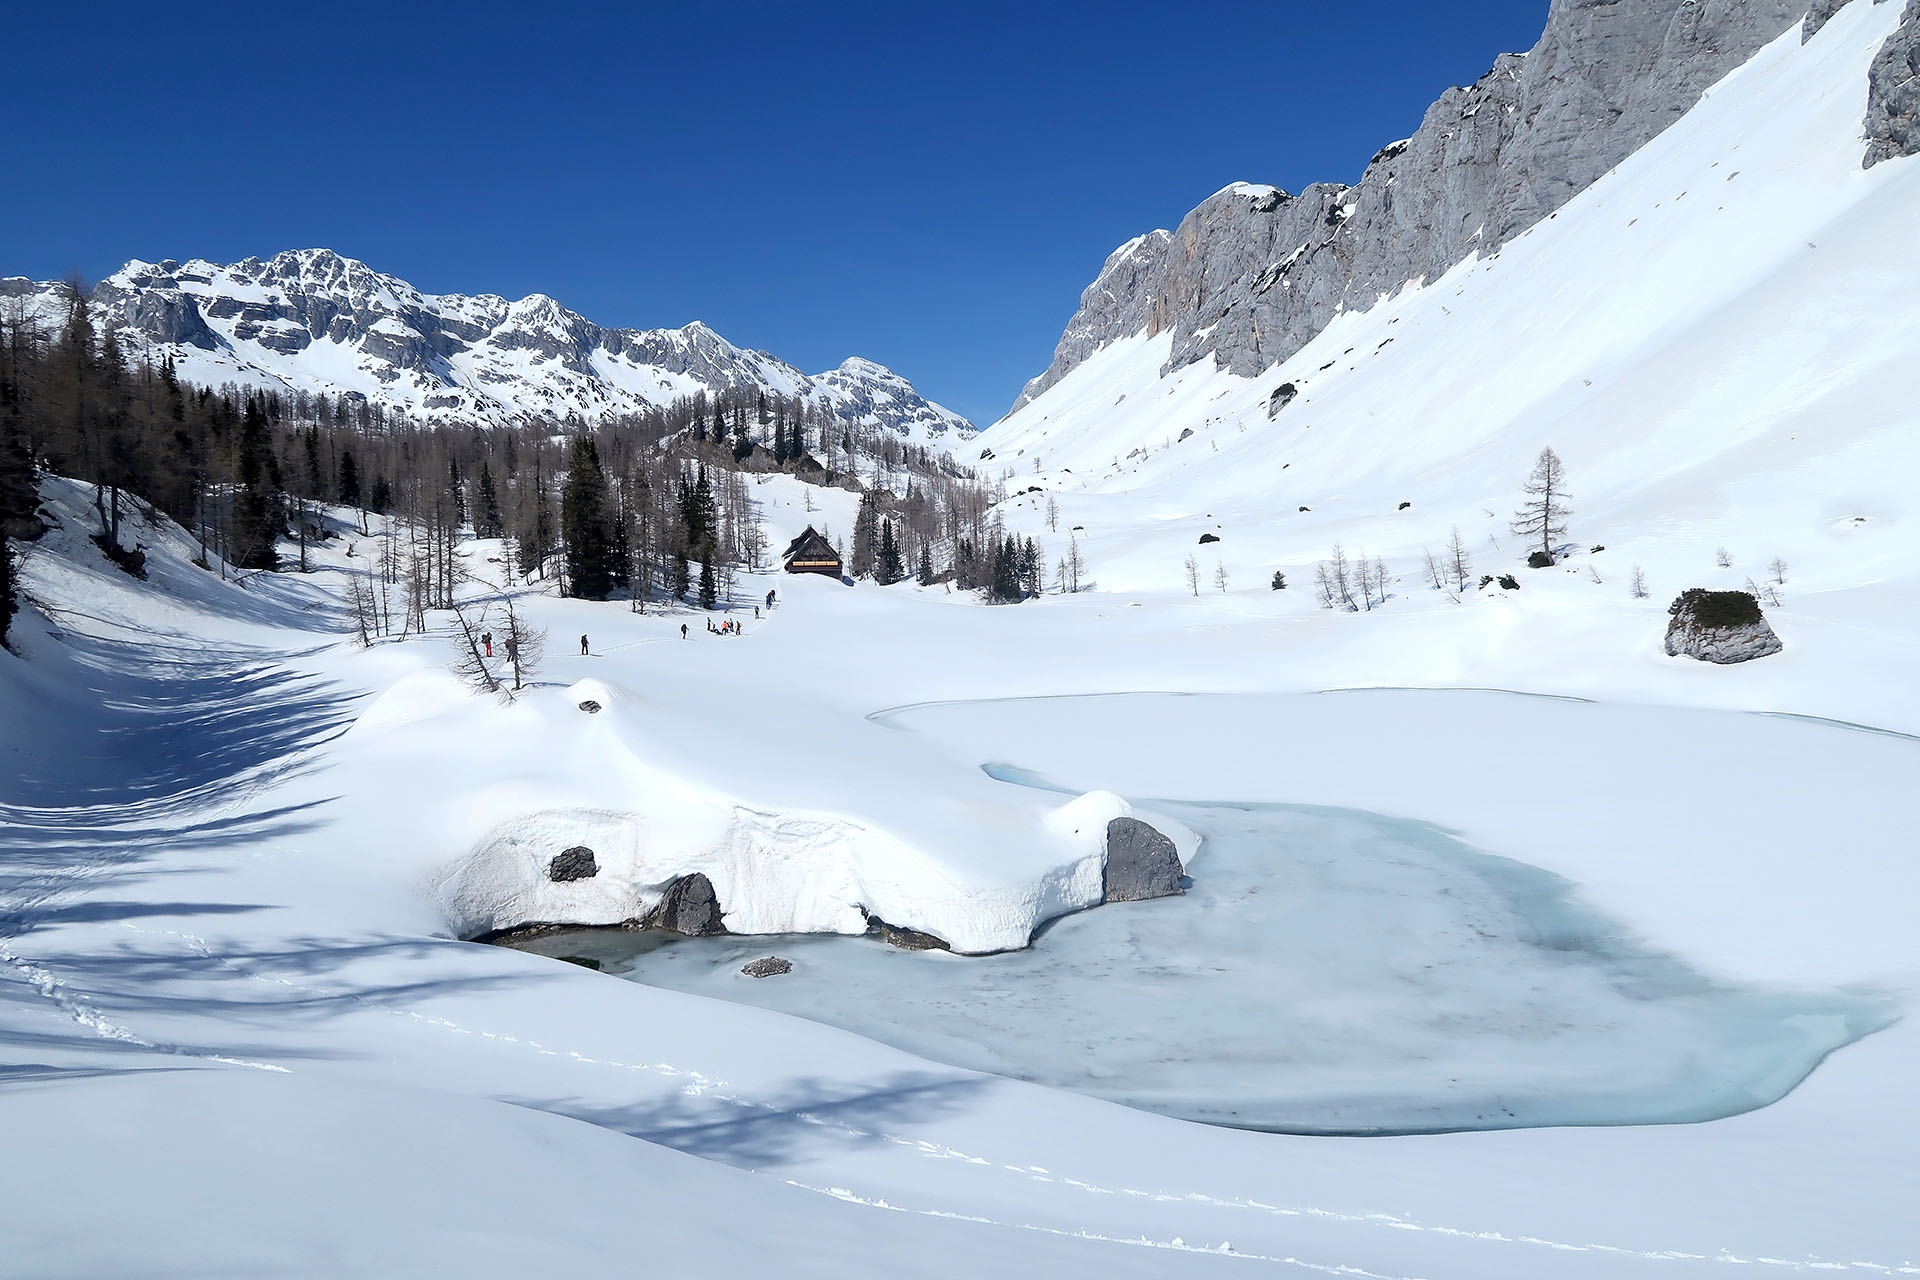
(649, 506)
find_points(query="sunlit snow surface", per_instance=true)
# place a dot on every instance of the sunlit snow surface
(1329, 971)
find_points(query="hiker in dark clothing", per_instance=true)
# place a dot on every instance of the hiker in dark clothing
(583, 646)
(769, 599)
(683, 631)
(486, 638)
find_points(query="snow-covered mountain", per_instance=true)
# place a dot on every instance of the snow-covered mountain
(1718, 336)
(1254, 273)
(311, 320)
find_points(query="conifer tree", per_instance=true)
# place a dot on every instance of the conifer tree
(486, 511)
(709, 590)
(257, 518)
(349, 478)
(865, 524)
(925, 575)
(586, 520)
(887, 568)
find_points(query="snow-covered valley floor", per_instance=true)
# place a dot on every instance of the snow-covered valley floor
(239, 1035)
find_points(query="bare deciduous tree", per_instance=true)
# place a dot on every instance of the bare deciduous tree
(1193, 573)
(1543, 516)
(470, 662)
(1459, 563)
(526, 645)
(1639, 583)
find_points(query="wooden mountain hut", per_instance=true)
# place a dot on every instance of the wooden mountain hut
(812, 553)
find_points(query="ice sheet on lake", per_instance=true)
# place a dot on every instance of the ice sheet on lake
(1329, 971)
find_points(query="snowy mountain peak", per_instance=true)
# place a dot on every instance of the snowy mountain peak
(312, 320)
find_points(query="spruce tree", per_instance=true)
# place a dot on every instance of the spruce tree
(349, 479)
(486, 511)
(709, 591)
(926, 565)
(887, 567)
(865, 524)
(586, 524)
(257, 519)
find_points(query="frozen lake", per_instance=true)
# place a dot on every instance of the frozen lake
(1329, 971)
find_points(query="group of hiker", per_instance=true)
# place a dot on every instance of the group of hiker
(728, 628)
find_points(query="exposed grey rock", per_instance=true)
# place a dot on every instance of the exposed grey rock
(1253, 273)
(1719, 626)
(767, 967)
(591, 707)
(1283, 395)
(905, 939)
(1818, 17)
(1141, 863)
(577, 863)
(515, 360)
(1893, 92)
(689, 906)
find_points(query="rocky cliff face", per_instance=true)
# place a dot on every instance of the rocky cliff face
(1253, 273)
(1893, 92)
(317, 322)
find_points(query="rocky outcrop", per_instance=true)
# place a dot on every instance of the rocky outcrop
(1141, 863)
(689, 906)
(906, 939)
(767, 967)
(1893, 93)
(1719, 626)
(577, 863)
(1254, 273)
(1818, 16)
(291, 322)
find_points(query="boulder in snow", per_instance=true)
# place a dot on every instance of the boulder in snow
(591, 707)
(1141, 863)
(1205, 538)
(689, 906)
(576, 863)
(1719, 626)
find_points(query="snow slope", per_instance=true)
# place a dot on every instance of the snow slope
(1717, 338)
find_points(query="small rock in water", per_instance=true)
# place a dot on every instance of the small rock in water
(899, 936)
(767, 967)
(576, 863)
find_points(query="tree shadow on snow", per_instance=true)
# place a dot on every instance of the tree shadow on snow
(808, 1119)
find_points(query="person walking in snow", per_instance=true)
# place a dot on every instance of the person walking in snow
(769, 599)
(683, 631)
(486, 638)
(756, 613)
(583, 646)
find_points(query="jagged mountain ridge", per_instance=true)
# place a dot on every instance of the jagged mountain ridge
(311, 320)
(1254, 273)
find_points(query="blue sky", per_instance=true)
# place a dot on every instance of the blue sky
(927, 186)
